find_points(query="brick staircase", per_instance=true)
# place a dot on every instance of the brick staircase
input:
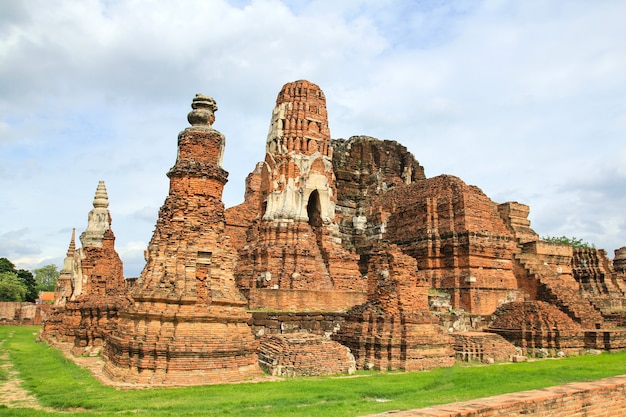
(598, 283)
(560, 289)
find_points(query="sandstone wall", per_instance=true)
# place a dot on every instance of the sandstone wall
(603, 398)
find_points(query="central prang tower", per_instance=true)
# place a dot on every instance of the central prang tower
(188, 324)
(293, 258)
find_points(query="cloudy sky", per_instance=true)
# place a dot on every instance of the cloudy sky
(525, 99)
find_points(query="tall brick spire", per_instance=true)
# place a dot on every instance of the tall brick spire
(299, 174)
(299, 121)
(63, 289)
(188, 323)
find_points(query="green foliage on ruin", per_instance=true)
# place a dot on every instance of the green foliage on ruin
(572, 241)
(67, 389)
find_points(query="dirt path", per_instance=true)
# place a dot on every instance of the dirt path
(12, 394)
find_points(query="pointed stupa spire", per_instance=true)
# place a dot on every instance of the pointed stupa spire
(63, 288)
(72, 247)
(101, 199)
(99, 219)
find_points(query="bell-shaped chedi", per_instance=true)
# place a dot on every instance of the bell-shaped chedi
(292, 258)
(99, 219)
(187, 324)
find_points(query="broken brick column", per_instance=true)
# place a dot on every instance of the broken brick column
(188, 323)
(394, 329)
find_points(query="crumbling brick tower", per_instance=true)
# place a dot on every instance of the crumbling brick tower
(63, 289)
(293, 259)
(91, 287)
(187, 324)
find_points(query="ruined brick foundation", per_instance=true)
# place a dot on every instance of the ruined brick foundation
(603, 398)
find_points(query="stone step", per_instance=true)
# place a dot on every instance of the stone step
(561, 290)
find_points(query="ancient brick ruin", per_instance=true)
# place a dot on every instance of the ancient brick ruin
(187, 322)
(342, 255)
(292, 257)
(91, 286)
(304, 354)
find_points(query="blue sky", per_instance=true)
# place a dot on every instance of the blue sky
(524, 99)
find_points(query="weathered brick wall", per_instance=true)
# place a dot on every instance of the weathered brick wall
(599, 284)
(16, 313)
(515, 215)
(545, 273)
(323, 324)
(533, 325)
(366, 167)
(482, 347)
(411, 342)
(239, 218)
(457, 236)
(603, 398)
(394, 329)
(303, 300)
(606, 339)
(86, 320)
(304, 354)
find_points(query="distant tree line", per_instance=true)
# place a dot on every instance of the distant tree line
(23, 285)
(572, 241)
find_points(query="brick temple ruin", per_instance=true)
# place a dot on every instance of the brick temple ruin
(343, 256)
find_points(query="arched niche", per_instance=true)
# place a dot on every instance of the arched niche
(314, 209)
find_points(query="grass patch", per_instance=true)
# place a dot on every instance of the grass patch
(61, 385)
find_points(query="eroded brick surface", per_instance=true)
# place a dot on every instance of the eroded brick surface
(187, 323)
(293, 243)
(91, 289)
(395, 330)
(533, 325)
(603, 398)
(482, 347)
(304, 354)
(327, 226)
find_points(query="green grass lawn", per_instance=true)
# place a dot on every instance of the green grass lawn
(61, 385)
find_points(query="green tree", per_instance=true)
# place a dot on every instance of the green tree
(11, 287)
(572, 241)
(28, 280)
(6, 265)
(25, 276)
(46, 277)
